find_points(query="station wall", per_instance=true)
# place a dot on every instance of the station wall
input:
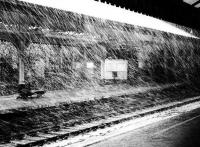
(151, 56)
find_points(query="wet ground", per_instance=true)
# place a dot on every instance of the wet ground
(180, 131)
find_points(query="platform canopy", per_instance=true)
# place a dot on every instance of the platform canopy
(182, 12)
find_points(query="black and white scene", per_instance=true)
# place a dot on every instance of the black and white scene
(99, 73)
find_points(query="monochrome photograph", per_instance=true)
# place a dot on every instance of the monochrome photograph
(99, 73)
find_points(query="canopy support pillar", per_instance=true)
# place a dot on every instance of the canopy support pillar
(21, 71)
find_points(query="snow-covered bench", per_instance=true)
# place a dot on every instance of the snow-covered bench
(25, 92)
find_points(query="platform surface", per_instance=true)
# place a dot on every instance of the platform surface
(53, 98)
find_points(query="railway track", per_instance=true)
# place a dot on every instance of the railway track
(23, 128)
(42, 136)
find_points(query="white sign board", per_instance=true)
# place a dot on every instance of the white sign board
(90, 65)
(114, 69)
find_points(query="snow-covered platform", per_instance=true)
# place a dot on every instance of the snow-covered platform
(54, 98)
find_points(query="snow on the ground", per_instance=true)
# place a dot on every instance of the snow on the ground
(53, 98)
(102, 134)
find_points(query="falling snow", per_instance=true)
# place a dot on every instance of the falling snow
(66, 50)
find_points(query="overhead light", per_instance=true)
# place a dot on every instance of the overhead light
(191, 2)
(198, 5)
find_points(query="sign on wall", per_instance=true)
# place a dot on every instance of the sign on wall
(114, 69)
